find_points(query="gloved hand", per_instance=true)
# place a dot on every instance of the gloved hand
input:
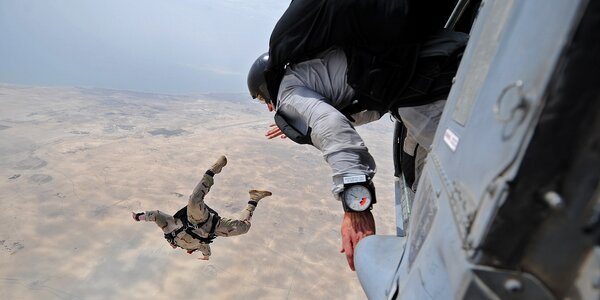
(138, 216)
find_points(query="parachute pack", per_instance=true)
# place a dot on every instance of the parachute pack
(189, 227)
(397, 55)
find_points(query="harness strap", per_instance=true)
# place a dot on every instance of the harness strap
(189, 228)
(212, 211)
(211, 233)
(173, 234)
(213, 227)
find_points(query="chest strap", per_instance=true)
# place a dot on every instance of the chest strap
(211, 233)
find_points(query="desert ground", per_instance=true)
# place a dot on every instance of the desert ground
(75, 162)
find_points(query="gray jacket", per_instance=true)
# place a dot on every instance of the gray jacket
(315, 91)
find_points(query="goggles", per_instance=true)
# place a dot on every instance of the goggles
(261, 99)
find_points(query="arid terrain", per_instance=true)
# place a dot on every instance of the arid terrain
(74, 164)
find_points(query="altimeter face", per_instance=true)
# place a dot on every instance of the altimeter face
(357, 198)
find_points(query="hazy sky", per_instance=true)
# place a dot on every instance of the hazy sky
(160, 46)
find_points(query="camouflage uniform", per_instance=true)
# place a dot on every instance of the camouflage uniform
(198, 213)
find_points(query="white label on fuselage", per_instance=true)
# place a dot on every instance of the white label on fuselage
(451, 139)
(354, 179)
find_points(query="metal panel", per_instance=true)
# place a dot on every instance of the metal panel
(482, 49)
(508, 101)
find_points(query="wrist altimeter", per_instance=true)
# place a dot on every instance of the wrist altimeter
(358, 194)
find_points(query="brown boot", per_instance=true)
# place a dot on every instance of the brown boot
(219, 164)
(256, 195)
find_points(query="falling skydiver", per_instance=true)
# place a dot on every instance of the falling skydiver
(195, 226)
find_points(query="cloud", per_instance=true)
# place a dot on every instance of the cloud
(134, 45)
(218, 70)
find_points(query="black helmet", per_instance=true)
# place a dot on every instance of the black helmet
(257, 83)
